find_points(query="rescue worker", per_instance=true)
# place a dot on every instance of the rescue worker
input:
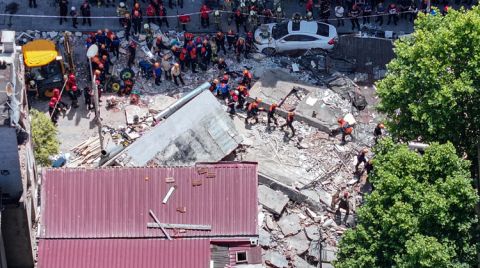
(184, 20)
(166, 68)
(160, 46)
(377, 132)
(271, 115)
(267, 15)
(60, 104)
(343, 203)
(354, 14)
(253, 20)
(148, 36)
(222, 90)
(239, 20)
(157, 73)
(289, 122)
(63, 10)
(217, 19)
(132, 49)
(361, 158)
(177, 74)
(220, 41)
(86, 13)
(249, 44)
(151, 12)
(204, 16)
(239, 48)
(228, 8)
(74, 15)
(193, 58)
(252, 111)
(247, 78)
(242, 94)
(231, 101)
(73, 93)
(309, 16)
(127, 25)
(344, 128)
(183, 57)
(88, 95)
(222, 65)
(32, 92)
(213, 85)
(115, 45)
(205, 54)
(279, 15)
(231, 38)
(137, 22)
(53, 110)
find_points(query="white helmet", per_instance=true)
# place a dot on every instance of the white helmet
(146, 26)
(237, 93)
(252, 13)
(253, 1)
(217, 13)
(73, 8)
(279, 9)
(309, 14)
(242, 4)
(122, 4)
(32, 82)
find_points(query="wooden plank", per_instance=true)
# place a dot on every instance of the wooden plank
(179, 226)
(160, 226)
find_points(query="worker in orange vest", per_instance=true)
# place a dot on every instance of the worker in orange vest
(271, 115)
(252, 110)
(344, 127)
(289, 122)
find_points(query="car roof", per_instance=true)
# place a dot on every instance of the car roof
(305, 27)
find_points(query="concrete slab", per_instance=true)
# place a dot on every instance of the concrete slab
(265, 238)
(160, 103)
(298, 243)
(290, 224)
(132, 111)
(275, 259)
(298, 262)
(271, 200)
(312, 232)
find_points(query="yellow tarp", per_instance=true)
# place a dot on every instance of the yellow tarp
(39, 53)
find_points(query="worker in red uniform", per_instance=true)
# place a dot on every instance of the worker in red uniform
(53, 110)
(193, 58)
(252, 110)
(344, 127)
(271, 115)
(242, 94)
(247, 78)
(309, 6)
(184, 20)
(289, 122)
(231, 101)
(204, 13)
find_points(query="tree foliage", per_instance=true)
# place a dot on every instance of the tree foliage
(44, 136)
(432, 87)
(421, 213)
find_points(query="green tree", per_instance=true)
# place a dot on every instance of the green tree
(431, 91)
(44, 136)
(421, 213)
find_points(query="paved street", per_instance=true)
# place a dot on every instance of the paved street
(46, 8)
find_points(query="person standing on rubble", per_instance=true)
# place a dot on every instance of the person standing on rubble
(151, 12)
(137, 22)
(222, 90)
(242, 94)
(193, 58)
(377, 132)
(63, 10)
(231, 101)
(148, 36)
(162, 15)
(32, 92)
(74, 15)
(166, 68)
(132, 49)
(157, 73)
(184, 20)
(127, 26)
(53, 110)
(204, 16)
(271, 115)
(249, 44)
(88, 95)
(345, 128)
(239, 20)
(239, 48)
(222, 65)
(252, 110)
(220, 41)
(86, 13)
(115, 45)
(343, 203)
(231, 38)
(289, 122)
(361, 158)
(247, 78)
(177, 74)
(354, 14)
(122, 9)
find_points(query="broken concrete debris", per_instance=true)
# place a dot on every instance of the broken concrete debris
(289, 224)
(297, 243)
(274, 201)
(276, 259)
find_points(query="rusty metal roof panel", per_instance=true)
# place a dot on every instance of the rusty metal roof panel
(114, 202)
(123, 253)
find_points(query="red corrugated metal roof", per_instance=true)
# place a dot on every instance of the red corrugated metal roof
(123, 253)
(114, 202)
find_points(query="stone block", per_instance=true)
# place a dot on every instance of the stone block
(271, 200)
(290, 224)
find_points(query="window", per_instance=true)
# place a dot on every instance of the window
(241, 257)
(300, 38)
(323, 29)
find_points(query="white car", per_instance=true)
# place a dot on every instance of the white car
(279, 37)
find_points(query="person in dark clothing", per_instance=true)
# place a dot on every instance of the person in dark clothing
(32, 3)
(127, 26)
(239, 20)
(132, 49)
(63, 10)
(231, 101)
(242, 94)
(289, 122)
(162, 14)
(86, 13)
(380, 10)
(252, 111)
(73, 14)
(231, 38)
(220, 41)
(377, 132)
(137, 22)
(354, 14)
(361, 158)
(392, 14)
(157, 73)
(88, 95)
(239, 48)
(115, 45)
(222, 65)
(367, 12)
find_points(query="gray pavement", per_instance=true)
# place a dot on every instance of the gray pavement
(46, 7)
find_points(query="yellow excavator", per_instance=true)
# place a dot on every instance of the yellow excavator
(46, 65)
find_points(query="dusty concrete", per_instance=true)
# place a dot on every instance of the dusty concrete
(273, 201)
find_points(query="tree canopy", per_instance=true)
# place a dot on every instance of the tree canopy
(421, 213)
(432, 87)
(44, 136)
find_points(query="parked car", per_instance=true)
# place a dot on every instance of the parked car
(286, 36)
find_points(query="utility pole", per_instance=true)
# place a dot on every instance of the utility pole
(92, 52)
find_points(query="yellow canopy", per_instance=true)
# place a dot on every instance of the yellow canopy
(39, 53)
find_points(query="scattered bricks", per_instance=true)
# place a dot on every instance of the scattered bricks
(169, 180)
(182, 209)
(210, 175)
(196, 182)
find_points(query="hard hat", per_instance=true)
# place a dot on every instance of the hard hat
(346, 194)
(245, 71)
(242, 4)
(157, 64)
(217, 13)
(381, 126)
(252, 13)
(74, 88)
(32, 82)
(56, 91)
(73, 8)
(99, 32)
(365, 150)
(215, 81)
(122, 4)
(146, 26)
(236, 92)
(71, 76)
(309, 14)
(279, 9)
(274, 104)
(258, 100)
(253, 1)
(176, 65)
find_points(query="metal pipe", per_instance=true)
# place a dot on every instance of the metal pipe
(182, 101)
